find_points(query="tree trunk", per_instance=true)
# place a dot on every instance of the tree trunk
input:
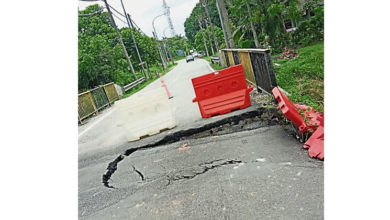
(208, 34)
(211, 26)
(223, 28)
(253, 27)
(204, 39)
(225, 22)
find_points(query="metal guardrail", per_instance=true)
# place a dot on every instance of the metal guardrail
(257, 66)
(111, 92)
(92, 101)
(133, 84)
(99, 98)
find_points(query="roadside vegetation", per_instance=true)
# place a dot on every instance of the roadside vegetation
(272, 24)
(154, 77)
(303, 76)
(100, 56)
(215, 66)
(277, 25)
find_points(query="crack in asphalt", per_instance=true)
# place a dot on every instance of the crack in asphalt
(200, 169)
(112, 167)
(179, 135)
(139, 173)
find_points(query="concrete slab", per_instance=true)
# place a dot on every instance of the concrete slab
(146, 113)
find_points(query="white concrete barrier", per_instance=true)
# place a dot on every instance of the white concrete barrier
(145, 114)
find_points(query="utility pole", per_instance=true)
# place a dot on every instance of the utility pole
(223, 28)
(225, 22)
(204, 40)
(168, 50)
(135, 42)
(120, 39)
(168, 47)
(164, 46)
(159, 51)
(211, 25)
(132, 36)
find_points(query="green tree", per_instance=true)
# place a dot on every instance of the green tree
(177, 43)
(101, 58)
(147, 47)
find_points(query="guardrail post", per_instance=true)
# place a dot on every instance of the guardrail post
(104, 91)
(93, 103)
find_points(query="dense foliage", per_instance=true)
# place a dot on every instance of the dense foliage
(269, 19)
(310, 30)
(100, 56)
(191, 24)
(147, 47)
(177, 43)
(199, 45)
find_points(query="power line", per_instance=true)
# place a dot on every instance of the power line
(119, 18)
(139, 29)
(120, 39)
(116, 11)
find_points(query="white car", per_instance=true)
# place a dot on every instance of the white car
(189, 58)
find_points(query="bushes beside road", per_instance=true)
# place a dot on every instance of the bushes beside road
(303, 76)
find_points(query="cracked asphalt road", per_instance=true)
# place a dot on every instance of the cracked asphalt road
(257, 174)
(221, 172)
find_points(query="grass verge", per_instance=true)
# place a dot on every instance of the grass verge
(303, 77)
(215, 66)
(154, 77)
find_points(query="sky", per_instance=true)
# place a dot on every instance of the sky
(143, 12)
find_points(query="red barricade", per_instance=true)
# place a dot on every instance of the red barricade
(313, 122)
(222, 91)
(316, 143)
(288, 109)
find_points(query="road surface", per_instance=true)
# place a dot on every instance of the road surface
(103, 131)
(253, 174)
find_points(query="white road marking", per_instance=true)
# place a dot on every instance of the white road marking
(211, 69)
(96, 122)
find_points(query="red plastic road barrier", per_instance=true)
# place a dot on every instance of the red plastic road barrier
(316, 143)
(312, 118)
(289, 110)
(222, 91)
(313, 122)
